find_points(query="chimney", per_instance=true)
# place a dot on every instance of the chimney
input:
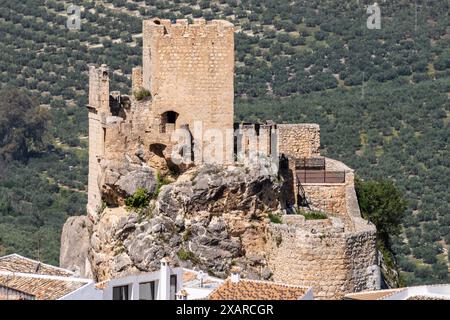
(164, 280)
(235, 274)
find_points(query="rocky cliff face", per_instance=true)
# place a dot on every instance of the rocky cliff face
(210, 217)
(213, 218)
(75, 245)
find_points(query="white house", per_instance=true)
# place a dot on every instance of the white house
(26, 279)
(198, 285)
(166, 284)
(426, 292)
(158, 285)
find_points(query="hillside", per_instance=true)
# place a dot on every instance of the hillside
(380, 96)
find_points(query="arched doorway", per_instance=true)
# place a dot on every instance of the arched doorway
(168, 121)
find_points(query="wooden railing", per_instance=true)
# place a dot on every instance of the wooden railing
(320, 176)
(310, 163)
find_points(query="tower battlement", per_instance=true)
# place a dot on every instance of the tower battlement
(199, 55)
(99, 88)
(182, 28)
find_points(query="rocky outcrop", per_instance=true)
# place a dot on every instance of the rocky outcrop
(389, 271)
(75, 246)
(211, 218)
(123, 178)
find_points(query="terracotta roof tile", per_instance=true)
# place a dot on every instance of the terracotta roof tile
(189, 276)
(3, 297)
(257, 290)
(41, 287)
(17, 263)
(7, 293)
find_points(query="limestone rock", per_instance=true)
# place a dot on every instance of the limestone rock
(75, 244)
(142, 178)
(210, 217)
(124, 178)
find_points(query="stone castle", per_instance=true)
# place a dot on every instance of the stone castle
(186, 82)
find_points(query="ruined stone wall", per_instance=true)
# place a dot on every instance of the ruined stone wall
(330, 198)
(189, 69)
(136, 79)
(324, 254)
(299, 140)
(254, 140)
(98, 111)
(99, 89)
(336, 255)
(334, 198)
(96, 149)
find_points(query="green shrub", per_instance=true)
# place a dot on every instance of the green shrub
(313, 215)
(139, 200)
(160, 182)
(275, 218)
(141, 94)
(187, 255)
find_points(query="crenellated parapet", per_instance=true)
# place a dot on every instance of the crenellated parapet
(188, 69)
(99, 89)
(182, 28)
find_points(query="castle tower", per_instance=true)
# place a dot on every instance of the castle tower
(98, 111)
(189, 71)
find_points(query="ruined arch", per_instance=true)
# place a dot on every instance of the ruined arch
(169, 121)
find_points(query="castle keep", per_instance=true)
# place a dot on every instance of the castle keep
(186, 83)
(188, 75)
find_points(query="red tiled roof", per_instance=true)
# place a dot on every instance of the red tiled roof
(257, 290)
(17, 263)
(43, 288)
(189, 276)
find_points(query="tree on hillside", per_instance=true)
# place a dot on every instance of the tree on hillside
(22, 124)
(382, 204)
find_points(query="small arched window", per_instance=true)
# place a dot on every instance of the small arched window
(171, 116)
(168, 121)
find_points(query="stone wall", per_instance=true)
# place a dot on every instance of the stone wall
(330, 198)
(334, 198)
(98, 111)
(255, 140)
(96, 150)
(325, 255)
(189, 69)
(299, 140)
(336, 255)
(136, 79)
